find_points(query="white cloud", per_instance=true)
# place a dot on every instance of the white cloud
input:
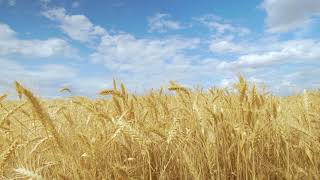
(124, 52)
(75, 4)
(77, 27)
(228, 37)
(6, 32)
(11, 45)
(227, 82)
(45, 3)
(222, 26)
(225, 46)
(286, 15)
(161, 22)
(40, 78)
(46, 80)
(292, 51)
(146, 63)
(12, 2)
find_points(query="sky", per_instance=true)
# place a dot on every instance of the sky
(83, 45)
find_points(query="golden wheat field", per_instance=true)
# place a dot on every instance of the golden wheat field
(170, 133)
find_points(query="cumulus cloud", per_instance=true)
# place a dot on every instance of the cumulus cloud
(286, 15)
(11, 45)
(77, 27)
(162, 22)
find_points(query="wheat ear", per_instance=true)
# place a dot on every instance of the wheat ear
(42, 115)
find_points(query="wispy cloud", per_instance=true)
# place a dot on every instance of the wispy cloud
(12, 2)
(222, 26)
(75, 4)
(225, 46)
(162, 22)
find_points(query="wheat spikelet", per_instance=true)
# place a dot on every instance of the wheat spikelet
(2, 97)
(131, 114)
(68, 117)
(191, 166)
(120, 127)
(175, 87)
(42, 115)
(110, 92)
(274, 110)
(37, 145)
(243, 92)
(135, 134)
(114, 84)
(84, 140)
(241, 86)
(121, 171)
(254, 96)
(117, 105)
(6, 154)
(305, 100)
(6, 117)
(26, 173)
(123, 89)
(63, 176)
(173, 130)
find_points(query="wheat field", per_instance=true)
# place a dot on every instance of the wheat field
(169, 133)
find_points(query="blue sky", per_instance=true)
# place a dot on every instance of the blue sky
(82, 44)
